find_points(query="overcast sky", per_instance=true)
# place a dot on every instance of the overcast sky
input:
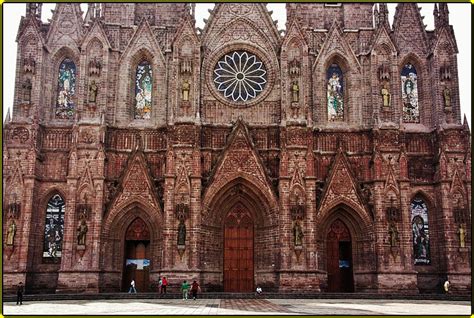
(460, 18)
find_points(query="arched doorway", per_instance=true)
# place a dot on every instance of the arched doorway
(238, 250)
(339, 258)
(137, 256)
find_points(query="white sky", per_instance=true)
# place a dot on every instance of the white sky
(460, 18)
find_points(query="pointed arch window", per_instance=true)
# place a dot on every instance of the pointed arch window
(411, 113)
(420, 229)
(54, 227)
(65, 106)
(143, 90)
(335, 93)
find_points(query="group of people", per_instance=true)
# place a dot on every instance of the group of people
(163, 284)
(194, 287)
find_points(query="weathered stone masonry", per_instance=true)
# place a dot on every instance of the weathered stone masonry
(309, 187)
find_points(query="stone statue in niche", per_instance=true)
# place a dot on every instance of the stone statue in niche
(181, 233)
(447, 97)
(385, 95)
(27, 91)
(295, 92)
(298, 234)
(393, 232)
(185, 90)
(462, 235)
(93, 90)
(82, 231)
(11, 232)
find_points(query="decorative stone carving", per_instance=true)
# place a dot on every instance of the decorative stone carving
(462, 235)
(386, 96)
(11, 232)
(297, 234)
(393, 234)
(20, 134)
(95, 67)
(294, 68)
(384, 72)
(93, 91)
(29, 65)
(82, 231)
(447, 98)
(445, 73)
(186, 66)
(295, 89)
(26, 88)
(185, 90)
(181, 233)
(14, 209)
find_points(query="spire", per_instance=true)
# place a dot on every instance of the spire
(436, 16)
(376, 16)
(34, 9)
(8, 119)
(465, 124)
(443, 14)
(93, 12)
(383, 16)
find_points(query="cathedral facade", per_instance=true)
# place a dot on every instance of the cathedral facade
(328, 158)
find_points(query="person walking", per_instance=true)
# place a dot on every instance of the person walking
(132, 287)
(160, 285)
(194, 289)
(19, 293)
(185, 288)
(446, 286)
(164, 284)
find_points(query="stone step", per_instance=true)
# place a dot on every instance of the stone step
(213, 295)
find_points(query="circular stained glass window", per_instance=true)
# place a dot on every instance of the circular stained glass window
(240, 76)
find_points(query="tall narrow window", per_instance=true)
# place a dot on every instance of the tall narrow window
(143, 89)
(411, 113)
(65, 106)
(421, 238)
(335, 93)
(54, 227)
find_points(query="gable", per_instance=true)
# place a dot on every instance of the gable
(342, 188)
(383, 42)
(251, 18)
(136, 184)
(96, 32)
(408, 29)
(143, 39)
(335, 44)
(66, 26)
(239, 159)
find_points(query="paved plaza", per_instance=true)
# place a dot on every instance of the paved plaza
(240, 307)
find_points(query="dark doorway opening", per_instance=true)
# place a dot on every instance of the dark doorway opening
(137, 257)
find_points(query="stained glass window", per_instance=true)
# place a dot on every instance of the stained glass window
(143, 90)
(54, 227)
(240, 76)
(335, 93)
(411, 112)
(421, 238)
(65, 106)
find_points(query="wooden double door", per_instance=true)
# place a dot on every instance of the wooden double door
(339, 258)
(239, 251)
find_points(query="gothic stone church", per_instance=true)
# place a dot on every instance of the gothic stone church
(329, 158)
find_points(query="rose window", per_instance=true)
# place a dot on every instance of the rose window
(240, 76)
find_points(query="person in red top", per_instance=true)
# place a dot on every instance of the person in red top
(164, 283)
(194, 289)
